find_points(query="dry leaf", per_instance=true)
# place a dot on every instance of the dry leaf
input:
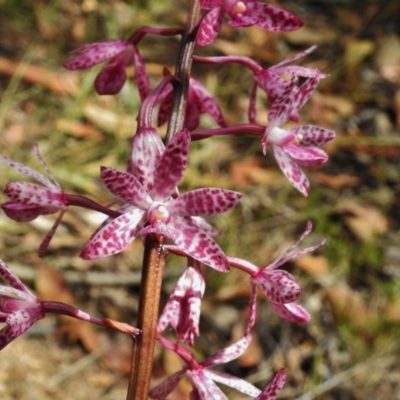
(365, 221)
(60, 82)
(314, 265)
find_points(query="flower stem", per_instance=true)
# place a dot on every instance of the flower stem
(183, 70)
(154, 253)
(144, 343)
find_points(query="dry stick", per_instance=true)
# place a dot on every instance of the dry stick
(154, 254)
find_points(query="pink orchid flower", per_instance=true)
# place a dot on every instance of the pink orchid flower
(29, 200)
(280, 287)
(270, 80)
(153, 210)
(243, 13)
(19, 307)
(182, 310)
(299, 145)
(203, 377)
(119, 54)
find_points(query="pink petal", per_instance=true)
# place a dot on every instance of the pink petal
(22, 213)
(279, 286)
(141, 76)
(299, 98)
(252, 104)
(171, 165)
(13, 280)
(147, 148)
(270, 18)
(292, 171)
(273, 389)
(252, 309)
(284, 106)
(95, 53)
(49, 235)
(126, 187)
(306, 156)
(206, 388)
(192, 240)
(229, 353)
(192, 116)
(313, 135)
(110, 79)
(182, 310)
(233, 382)
(31, 194)
(288, 255)
(206, 201)
(23, 169)
(165, 106)
(272, 84)
(115, 236)
(167, 386)
(209, 4)
(296, 57)
(210, 26)
(205, 226)
(207, 102)
(292, 312)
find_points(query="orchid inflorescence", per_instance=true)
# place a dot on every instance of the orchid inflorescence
(150, 204)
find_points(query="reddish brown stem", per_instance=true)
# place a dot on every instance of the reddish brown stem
(143, 344)
(154, 253)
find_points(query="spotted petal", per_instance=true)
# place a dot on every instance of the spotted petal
(192, 240)
(292, 171)
(31, 194)
(210, 26)
(229, 353)
(115, 236)
(268, 17)
(313, 135)
(171, 165)
(147, 148)
(292, 312)
(94, 53)
(233, 382)
(206, 201)
(162, 390)
(279, 286)
(272, 390)
(126, 187)
(306, 156)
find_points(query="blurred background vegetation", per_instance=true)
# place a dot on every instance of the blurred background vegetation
(350, 349)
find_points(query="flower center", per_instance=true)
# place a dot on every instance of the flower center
(158, 212)
(281, 137)
(235, 8)
(240, 8)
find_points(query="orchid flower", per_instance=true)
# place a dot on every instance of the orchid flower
(182, 310)
(29, 200)
(299, 145)
(274, 85)
(200, 101)
(119, 54)
(243, 13)
(19, 307)
(203, 377)
(280, 287)
(154, 211)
